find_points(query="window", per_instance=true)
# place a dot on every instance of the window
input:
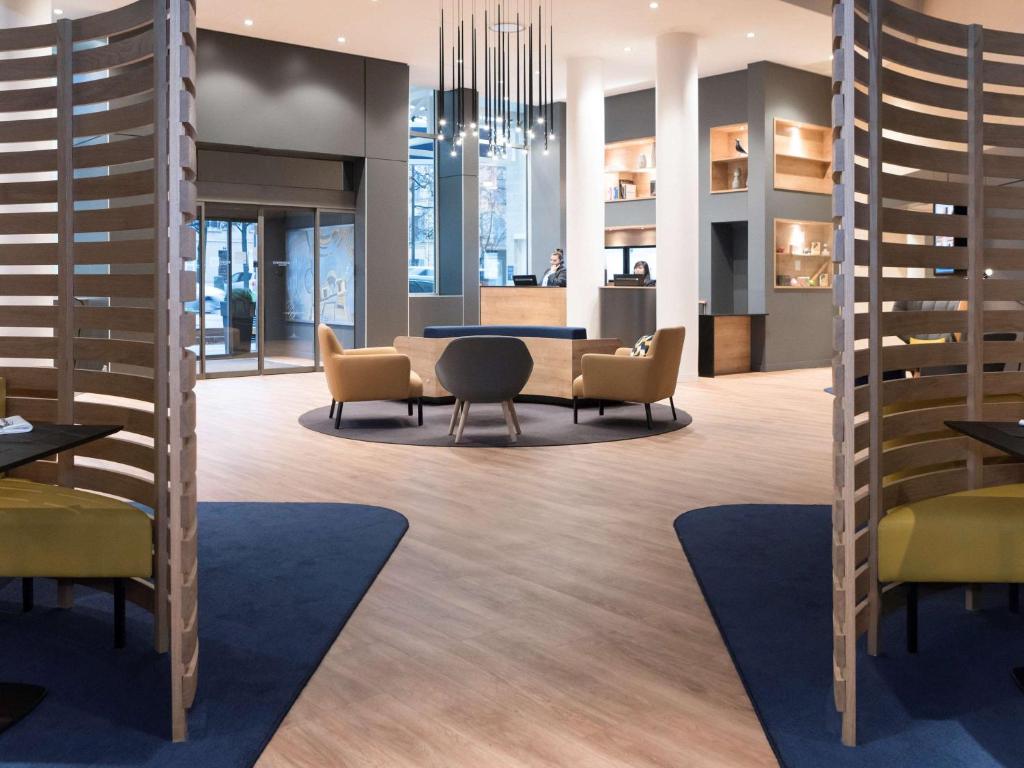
(422, 192)
(504, 249)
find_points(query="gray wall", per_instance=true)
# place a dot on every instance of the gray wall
(798, 324)
(262, 98)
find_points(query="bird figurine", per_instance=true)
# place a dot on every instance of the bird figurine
(739, 148)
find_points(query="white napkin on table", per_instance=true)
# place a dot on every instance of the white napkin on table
(14, 425)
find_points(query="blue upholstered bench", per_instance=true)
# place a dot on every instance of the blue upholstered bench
(522, 331)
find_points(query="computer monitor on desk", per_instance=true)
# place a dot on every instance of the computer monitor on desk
(628, 280)
(524, 280)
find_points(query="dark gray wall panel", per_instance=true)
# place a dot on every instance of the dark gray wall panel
(383, 217)
(387, 110)
(630, 213)
(286, 98)
(433, 310)
(629, 116)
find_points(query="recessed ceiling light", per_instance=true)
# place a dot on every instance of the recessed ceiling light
(627, 49)
(248, 22)
(58, 12)
(750, 35)
(341, 39)
(653, 5)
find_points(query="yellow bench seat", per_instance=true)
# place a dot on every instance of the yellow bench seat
(971, 536)
(56, 532)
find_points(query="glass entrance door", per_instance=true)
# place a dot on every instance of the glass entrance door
(230, 297)
(266, 277)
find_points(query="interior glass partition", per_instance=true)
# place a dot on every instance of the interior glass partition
(267, 276)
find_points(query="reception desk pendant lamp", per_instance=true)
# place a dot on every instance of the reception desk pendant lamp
(517, 105)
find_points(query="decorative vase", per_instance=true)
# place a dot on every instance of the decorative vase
(736, 179)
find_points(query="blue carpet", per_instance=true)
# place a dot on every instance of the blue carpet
(765, 571)
(277, 583)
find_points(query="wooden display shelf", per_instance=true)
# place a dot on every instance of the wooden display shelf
(797, 266)
(803, 157)
(629, 168)
(726, 161)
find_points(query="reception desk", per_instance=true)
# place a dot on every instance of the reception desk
(628, 312)
(509, 305)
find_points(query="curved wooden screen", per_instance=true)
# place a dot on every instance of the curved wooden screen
(96, 192)
(928, 117)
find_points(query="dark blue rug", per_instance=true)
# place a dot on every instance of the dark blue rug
(765, 571)
(277, 583)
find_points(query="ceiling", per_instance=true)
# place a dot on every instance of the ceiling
(406, 30)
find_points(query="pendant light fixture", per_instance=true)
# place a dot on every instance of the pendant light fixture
(515, 106)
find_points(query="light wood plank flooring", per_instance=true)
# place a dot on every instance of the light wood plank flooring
(539, 612)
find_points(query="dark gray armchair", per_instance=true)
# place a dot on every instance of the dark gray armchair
(484, 369)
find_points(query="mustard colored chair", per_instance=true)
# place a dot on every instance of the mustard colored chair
(970, 537)
(638, 379)
(48, 531)
(371, 373)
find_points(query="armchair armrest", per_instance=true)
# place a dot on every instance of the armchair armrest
(353, 378)
(372, 351)
(623, 351)
(617, 377)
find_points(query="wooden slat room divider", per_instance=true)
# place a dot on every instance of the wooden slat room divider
(925, 112)
(97, 172)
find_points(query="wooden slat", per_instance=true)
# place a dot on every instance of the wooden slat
(115, 252)
(115, 384)
(113, 186)
(26, 38)
(30, 129)
(28, 192)
(920, 91)
(134, 116)
(127, 50)
(923, 27)
(134, 319)
(28, 285)
(1009, 43)
(125, 452)
(129, 81)
(113, 153)
(114, 219)
(28, 161)
(28, 346)
(133, 420)
(28, 68)
(28, 99)
(115, 22)
(115, 483)
(114, 351)
(27, 317)
(28, 223)
(120, 286)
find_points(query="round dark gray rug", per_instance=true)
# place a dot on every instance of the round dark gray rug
(387, 422)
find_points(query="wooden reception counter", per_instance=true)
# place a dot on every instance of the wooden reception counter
(501, 305)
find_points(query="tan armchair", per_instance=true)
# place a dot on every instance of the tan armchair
(635, 379)
(372, 373)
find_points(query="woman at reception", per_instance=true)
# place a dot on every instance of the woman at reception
(643, 269)
(555, 276)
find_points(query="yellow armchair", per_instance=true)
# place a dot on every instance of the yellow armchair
(621, 376)
(372, 373)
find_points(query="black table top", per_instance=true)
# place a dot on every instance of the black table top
(1007, 436)
(46, 440)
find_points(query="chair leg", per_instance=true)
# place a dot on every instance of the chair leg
(337, 416)
(508, 421)
(410, 406)
(672, 403)
(119, 634)
(1014, 597)
(455, 417)
(419, 411)
(911, 618)
(575, 410)
(28, 595)
(515, 416)
(462, 421)
(647, 407)
(331, 414)
(600, 407)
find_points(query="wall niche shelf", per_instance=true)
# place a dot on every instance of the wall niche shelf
(629, 170)
(728, 164)
(803, 255)
(803, 157)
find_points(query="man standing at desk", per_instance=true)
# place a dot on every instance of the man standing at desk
(555, 276)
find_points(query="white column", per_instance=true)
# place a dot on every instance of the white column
(677, 201)
(584, 193)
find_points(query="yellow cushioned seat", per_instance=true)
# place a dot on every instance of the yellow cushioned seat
(415, 385)
(971, 536)
(51, 531)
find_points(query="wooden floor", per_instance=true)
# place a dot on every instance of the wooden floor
(540, 611)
